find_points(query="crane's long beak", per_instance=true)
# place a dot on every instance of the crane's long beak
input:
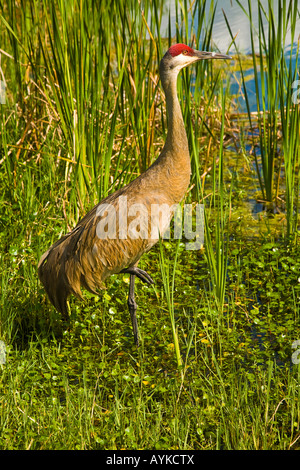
(210, 55)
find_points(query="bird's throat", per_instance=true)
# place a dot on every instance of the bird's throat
(176, 151)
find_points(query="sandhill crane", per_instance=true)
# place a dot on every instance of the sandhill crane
(84, 258)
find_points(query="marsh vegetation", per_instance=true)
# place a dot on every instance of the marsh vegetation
(84, 114)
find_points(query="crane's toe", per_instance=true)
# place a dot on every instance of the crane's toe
(142, 275)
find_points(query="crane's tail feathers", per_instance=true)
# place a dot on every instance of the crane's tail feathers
(58, 273)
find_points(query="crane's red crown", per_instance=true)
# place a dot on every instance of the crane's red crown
(177, 49)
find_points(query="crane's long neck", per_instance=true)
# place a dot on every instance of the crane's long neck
(174, 160)
(176, 138)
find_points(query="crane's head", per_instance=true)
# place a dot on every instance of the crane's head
(180, 56)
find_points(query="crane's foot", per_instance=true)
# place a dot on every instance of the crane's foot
(142, 275)
(132, 305)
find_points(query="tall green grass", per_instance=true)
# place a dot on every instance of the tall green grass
(274, 76)
(95, 89)
(217, 220)
(168, 279)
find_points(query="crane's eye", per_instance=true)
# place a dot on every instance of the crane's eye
(184, 52)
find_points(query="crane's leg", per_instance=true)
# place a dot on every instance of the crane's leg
(132, 305)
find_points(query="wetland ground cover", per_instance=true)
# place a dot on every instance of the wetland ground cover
(83, 114)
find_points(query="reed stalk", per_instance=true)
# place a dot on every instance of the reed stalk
(168, 278)
(216, 237)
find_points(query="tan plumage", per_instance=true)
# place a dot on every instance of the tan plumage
(82, 259)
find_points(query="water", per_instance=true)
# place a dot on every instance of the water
(238, 21)
(239, 24)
